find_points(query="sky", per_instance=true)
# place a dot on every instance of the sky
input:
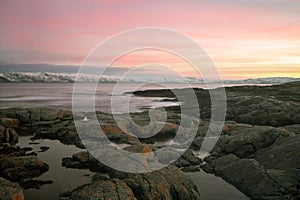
(244, 38)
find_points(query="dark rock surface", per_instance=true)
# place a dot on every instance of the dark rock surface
(263, 162)
(44, 148)
(30, 183)
(15, 163)
(168, 183)
(17, 168)
(10, 191)
(58, 124)
(7, 132)
(188, 161)
(277, 105)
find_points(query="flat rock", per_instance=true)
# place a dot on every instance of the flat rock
(268, 171)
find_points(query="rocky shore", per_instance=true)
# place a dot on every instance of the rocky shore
(257, 152)
(44, 123)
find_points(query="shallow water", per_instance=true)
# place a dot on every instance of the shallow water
(214, 188)
(210, 186)
(63, 179)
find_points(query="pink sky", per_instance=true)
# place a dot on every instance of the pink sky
(245, 39)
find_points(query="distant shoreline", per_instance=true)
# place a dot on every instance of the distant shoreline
(47, 77)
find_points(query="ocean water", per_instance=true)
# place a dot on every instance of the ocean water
(60, 95)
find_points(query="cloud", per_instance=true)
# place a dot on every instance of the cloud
(64, 32)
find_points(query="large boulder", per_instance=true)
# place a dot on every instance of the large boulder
(17, 168)
(168, 183)
(247, 175)
(267, 170)
(10, 191)
(101, 189)
(244, 141)
(8, 135)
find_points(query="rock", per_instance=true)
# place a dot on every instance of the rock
(181, 162)
(121, 138)
(23, 115)
(70, 163)
(101, 176)
(166, 156)
(141, 148)
(282, 155)
(30, 183)
(111, 129)
(295, 128)
(243, 142)
(31, 154)
(2, 129)
(265, 105)
(35, 114)
(169, 183)
(188, 159)
(44, 148)
(11, 136)
(154, 185)
(82, 157)
(57, 130)
(26, 149)
(247, 175)
(48, 114)
(146, 132)
(3, 137)
(271, 171)
(17, 168)
(66, 115)
(10, 191)
(167, 133)
(83, 160)
(33, 143)
(207, 168)
(191, 169)
(190, 156)
(197, 143)
(9, 122)
(187, 122)
(8, 149)
(276, 105)
(103, 189)
(67, 136)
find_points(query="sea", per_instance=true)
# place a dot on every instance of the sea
(59, 95)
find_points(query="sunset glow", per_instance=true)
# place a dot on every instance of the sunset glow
(245, 39)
